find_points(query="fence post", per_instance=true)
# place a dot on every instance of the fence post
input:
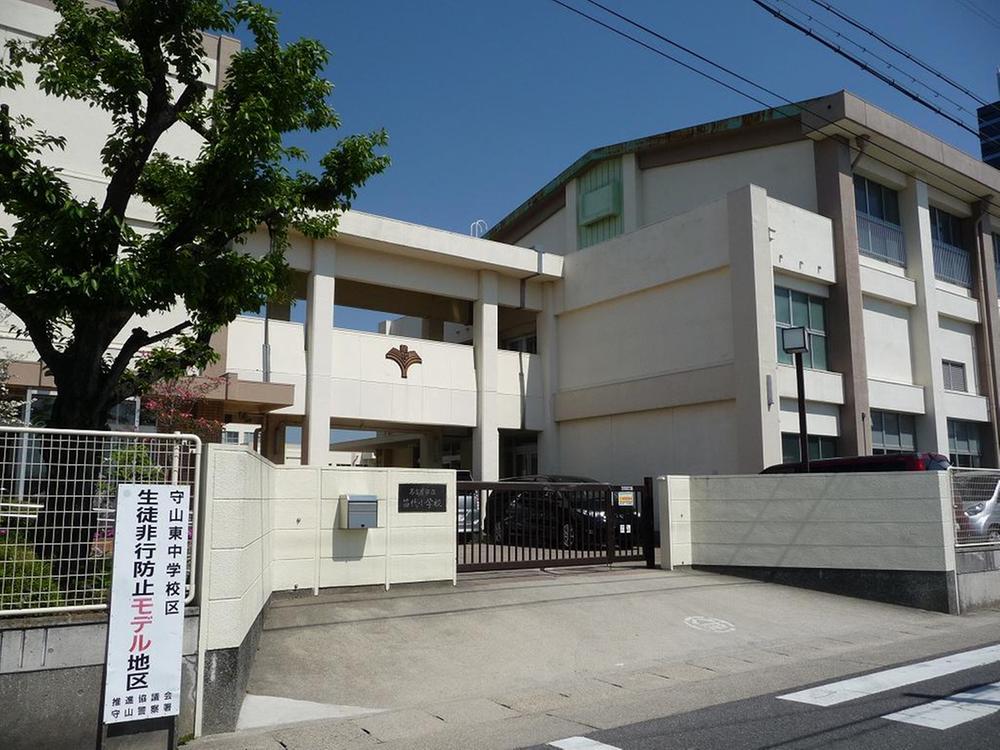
(646, 516)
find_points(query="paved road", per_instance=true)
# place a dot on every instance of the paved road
(881, 710)
(513, 660)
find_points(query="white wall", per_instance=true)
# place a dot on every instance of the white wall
(622, 448)
(678, 326)
(957, 341)
(550, 236)
(236, 538)
(273, 528)
(887, 341)
(366, 386)
(891, 521)
(787, 172)
(801, 241)
(244, 355)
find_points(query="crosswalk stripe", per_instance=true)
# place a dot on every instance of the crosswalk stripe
(581, 743)
(890, 679)
(954, 710)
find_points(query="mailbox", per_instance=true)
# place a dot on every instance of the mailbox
(358, 511)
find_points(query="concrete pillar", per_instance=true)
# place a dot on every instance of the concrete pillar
(914, 211)
(319, 355)
(548, 351)
(845, 307)
(980, 244)
(631, 213)
(754, 345)
(432, 330)
(486, 436)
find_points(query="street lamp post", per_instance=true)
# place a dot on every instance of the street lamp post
(795, 341)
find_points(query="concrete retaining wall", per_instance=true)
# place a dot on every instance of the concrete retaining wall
(978, 571)
(50, 680)
(884, 536)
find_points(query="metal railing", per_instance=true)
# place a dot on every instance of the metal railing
(881, 239)
(952, 264)
(58, 493)
(504, 525)
(975, 496)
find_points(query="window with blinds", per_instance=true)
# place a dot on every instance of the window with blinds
(954, 376)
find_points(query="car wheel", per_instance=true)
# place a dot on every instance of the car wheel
(499, 532)
(567, 536)
(993, 534)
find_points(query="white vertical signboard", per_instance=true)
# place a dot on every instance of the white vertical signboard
(146, 624)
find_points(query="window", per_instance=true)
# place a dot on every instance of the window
(876, 200)
(820, 446)
(527, 343)
(599, 203)
(963, 443)
(954, 376)
(893, 432)
(946, 228)
(879, 232)
(230, 437)
(792, 309)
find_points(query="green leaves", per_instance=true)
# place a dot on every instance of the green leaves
(76, 270)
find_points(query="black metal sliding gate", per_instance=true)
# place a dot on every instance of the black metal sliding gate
(505, 525)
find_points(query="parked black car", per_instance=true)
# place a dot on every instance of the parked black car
(554, 510)
(890, 462)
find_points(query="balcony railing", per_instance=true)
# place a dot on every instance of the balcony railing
(952, 264)
(881, 239)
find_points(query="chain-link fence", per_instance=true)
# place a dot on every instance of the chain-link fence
(58, 491)
(975, 495)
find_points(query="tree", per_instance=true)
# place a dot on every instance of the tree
(174, 406)
(75, 272)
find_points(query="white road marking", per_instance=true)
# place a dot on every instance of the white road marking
(890, 679)
(581, 743)
(954, 710)
(709, 624)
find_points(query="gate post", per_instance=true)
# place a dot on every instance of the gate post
(610, 525)
(646, 517)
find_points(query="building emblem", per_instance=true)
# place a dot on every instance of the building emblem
(404, 358)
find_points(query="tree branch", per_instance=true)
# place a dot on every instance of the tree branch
(136, 340)
(34, 326)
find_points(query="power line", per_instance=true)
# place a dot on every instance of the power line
(896, 48)
(660, 52)
(800, 109)
(869, 69)
(888, 63)
(980, 12)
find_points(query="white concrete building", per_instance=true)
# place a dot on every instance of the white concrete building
(623, 320)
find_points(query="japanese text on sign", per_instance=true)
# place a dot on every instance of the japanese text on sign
(423, 498)
(146, 624)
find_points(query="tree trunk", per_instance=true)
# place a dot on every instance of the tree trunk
(67, 482)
